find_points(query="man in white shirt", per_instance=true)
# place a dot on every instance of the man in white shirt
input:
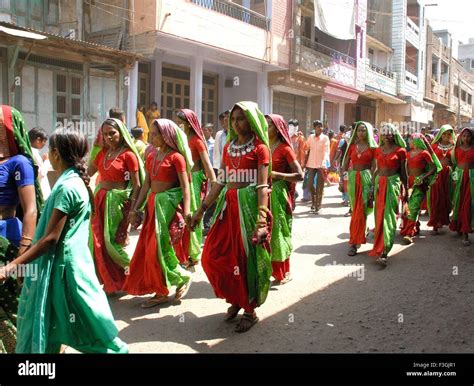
(220, 140)
(317, 162)
(38, 140)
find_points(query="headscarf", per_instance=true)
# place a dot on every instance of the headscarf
(441, 131)
(281, 126)
(458, 143)
(370, 137)
(19, 143)
(99, 144)
(176, 139)
(420, 142)
(193, 121)
(388, 128)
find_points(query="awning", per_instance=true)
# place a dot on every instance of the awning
(385, 97)
(338, 93)
(22, 34)
(336, 18)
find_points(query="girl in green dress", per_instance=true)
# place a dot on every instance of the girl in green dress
(61, 301)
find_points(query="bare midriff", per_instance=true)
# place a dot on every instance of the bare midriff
(237, 185)
(415, 172)
(359, 168)
(7, 211)
(466, 166)
(161, 186)
(110, 185)
(384, 172)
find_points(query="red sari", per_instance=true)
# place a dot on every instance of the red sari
(440, 193)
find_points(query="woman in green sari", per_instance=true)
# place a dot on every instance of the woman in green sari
(202, 171)
(236, 255)
(121, 174)
(359, 159)
(422, 166)
(168, 192)
(19, 192)
(286, 171)
(389, 176)
(61, 301)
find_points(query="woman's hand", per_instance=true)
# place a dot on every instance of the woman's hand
(135, 219)
(195, 219)
(259, 235)
(23, 249)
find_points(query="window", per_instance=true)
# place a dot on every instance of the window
(469, 99)
(175, 94)
(29, 13)
(472, 64)
(68, 97)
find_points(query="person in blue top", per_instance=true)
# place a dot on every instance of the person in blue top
(20, 201)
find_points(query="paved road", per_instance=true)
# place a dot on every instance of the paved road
(422, 302)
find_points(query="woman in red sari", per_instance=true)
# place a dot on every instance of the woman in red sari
(439, 196)
(286, 171)
(390, 177)
(236, 255)
(155, 266)
(120, 169)
(463, 200)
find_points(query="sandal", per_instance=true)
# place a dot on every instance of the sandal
(382, 260)
(466, 243)
(155, 301)
(287, 279)
(182, 290)
(246, 322)
(352, 251)
(408, 240)
(232, 313)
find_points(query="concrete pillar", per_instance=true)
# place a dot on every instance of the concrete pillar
(80, 18)
(438, 72)
(340, 116)
(195, 99)
(263, 93)
(157, 75)
(132, 97)
(321, 117)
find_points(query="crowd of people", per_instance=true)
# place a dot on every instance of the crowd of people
(226, 202)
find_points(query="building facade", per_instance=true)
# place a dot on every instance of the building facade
(190, 61)
(52, 73)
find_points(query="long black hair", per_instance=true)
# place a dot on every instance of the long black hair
(72, 147)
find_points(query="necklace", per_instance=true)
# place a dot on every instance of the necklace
(384, 150)
(153, 171)
(237, 151)
(445, 148)
(108, 155)
(359, 153)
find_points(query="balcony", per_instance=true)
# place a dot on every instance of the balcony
(465, 109)
(381, 80)
(235, 11)
(438, 93)
(413, 33)
(328, 51)
(324, 62)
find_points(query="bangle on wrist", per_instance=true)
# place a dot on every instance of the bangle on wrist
(27, 238)
(25, 245)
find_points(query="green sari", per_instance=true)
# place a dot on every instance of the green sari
(107, 240)
(64, 304)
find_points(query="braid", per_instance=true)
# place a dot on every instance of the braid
(80, 166)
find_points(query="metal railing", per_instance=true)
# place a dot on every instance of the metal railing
(382, 71)
(411, 70)
(328, 51)
(412, 25)
(235, 11)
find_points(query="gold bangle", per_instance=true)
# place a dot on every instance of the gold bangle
(26, 238)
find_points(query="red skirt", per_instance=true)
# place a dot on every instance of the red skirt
(440, 200)
(110, 274)
(280, 269)
(145, 272)
(463, 223)
(358, 224)
(223, 258)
